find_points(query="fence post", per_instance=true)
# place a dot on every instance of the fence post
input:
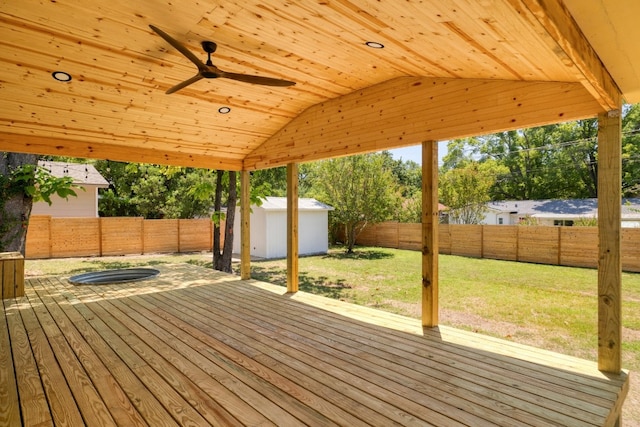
(559, 246)
(100, 236)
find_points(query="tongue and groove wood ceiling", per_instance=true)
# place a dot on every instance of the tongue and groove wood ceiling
(448, 69)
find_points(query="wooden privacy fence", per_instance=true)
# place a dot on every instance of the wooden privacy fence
(49, 237)
(569, 246)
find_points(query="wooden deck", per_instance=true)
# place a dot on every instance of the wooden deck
(197, 347)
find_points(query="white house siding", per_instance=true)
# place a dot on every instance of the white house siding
(85, 205)
(86, 180)
(630, 224)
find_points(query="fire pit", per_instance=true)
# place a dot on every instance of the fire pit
(114, 276)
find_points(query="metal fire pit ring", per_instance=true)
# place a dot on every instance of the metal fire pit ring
(114, 276)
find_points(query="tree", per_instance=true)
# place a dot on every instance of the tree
(525, 154)
(21, 183)
(270, 182)
(154, 191)
(573, 170)
(558, 161)
(631, 151)
(359, 188)
(407, 174)
(273, 182)
(465, 190)
(222, 254)
(410, 209)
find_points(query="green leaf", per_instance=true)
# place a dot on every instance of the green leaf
(218, 217)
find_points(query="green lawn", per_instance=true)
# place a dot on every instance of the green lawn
(546, 306)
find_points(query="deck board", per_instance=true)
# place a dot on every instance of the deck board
(197, 347)
(9, 404)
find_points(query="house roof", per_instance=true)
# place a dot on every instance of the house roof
(304, 204)
(448, 69)
(570, 208)
(82, 173)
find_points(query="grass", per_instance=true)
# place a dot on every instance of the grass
(550, 307)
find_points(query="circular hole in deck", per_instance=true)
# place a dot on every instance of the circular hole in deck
(114, 276)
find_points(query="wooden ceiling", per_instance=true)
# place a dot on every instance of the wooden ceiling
(449, 68)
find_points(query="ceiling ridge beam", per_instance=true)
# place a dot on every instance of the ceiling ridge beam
(561, 30)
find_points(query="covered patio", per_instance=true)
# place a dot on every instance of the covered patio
(198, 347)
(88, 79)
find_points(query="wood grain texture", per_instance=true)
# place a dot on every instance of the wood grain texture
(563, 31)
(115, 106)
(121, 235)
(609, 231)
(76, 237)
(408, 110)
(11, 275)
(9, 402)
(160, 235)
(196, 235)
(292, 228)
(194, 346)
(430, 220)
(245, 225)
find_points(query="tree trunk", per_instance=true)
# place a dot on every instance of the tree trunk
(351, 237)
(217, 207)
(15, 204)
(222, 256)
(227, 252)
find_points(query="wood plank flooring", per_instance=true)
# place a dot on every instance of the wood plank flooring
(195, 347)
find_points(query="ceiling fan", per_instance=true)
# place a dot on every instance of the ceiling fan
(208, 70)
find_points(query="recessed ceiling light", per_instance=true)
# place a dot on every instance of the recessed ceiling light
(61, 76)
(375, 45)
(224, 110)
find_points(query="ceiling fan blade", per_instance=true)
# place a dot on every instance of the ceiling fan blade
(183, 50)
(184, 84)
(259, 80)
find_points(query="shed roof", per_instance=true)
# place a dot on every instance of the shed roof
(448, 69)
(304, 204)
(82, 173)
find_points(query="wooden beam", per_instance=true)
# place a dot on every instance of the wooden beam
(125, 153)
(408, 110)
(245, 226)
(559, 29)
(609, 230)
(292, 227)
(430, 217)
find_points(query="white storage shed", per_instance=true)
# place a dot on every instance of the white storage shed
(269, 228)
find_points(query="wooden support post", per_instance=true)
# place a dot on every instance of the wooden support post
(430, 216)
(292, 227)
(11, 275)
(609, 231)
(245, 226)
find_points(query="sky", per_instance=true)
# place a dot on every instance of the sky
(415, 153)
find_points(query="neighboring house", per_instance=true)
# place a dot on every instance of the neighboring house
(84, 176)
(268, 230)
(556, 212)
